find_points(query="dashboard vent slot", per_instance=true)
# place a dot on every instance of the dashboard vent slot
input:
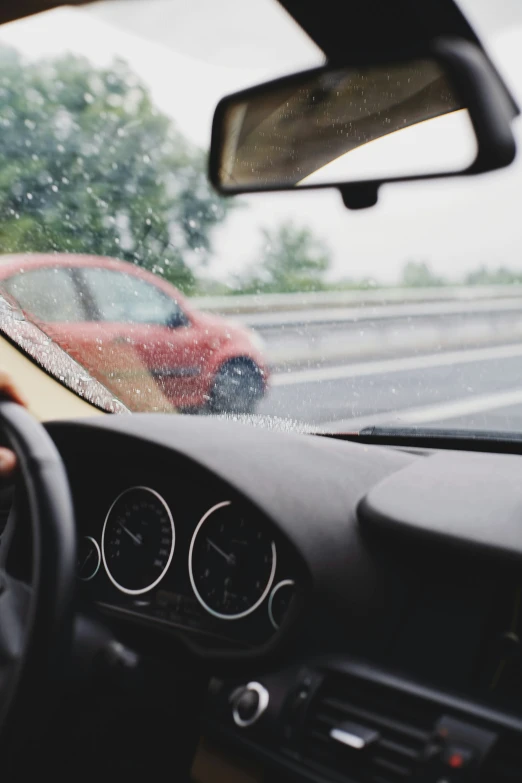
(402, 725)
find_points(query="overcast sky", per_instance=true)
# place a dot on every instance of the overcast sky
(192, 52)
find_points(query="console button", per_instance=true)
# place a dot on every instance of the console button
(249, 703)
(456, 757)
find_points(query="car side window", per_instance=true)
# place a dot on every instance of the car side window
(123, 298)
(50, 295)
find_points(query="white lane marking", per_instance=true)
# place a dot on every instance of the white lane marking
(465, 407)
(426, 414)
(422, 362)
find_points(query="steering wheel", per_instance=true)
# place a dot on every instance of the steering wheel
(35, 618)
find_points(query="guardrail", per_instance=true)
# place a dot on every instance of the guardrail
(304, 329)
(262, 303)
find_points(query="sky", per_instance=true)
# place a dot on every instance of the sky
(192, 52)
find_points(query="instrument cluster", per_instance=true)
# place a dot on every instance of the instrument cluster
(230, 575)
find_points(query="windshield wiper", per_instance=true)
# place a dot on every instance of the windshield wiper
(442, 438)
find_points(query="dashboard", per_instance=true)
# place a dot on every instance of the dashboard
(368, 598)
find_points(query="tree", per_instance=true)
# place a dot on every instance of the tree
(417, 274)
(88, 164)
(500, 276)
(291, 259)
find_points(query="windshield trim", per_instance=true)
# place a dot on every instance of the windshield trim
(72, 375)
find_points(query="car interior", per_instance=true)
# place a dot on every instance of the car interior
(194, 598)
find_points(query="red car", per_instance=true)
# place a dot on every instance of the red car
(137, 334)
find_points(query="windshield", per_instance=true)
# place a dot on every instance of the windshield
(164, 296)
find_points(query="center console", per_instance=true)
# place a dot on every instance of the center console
(337, 721)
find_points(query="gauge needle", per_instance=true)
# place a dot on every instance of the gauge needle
(228, 558)
(86, 561)
(137, 539)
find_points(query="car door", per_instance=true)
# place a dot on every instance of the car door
(139, 330)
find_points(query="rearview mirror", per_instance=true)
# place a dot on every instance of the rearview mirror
(440, 114)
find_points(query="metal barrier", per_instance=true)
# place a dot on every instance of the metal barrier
(299, 329)
(263, 303)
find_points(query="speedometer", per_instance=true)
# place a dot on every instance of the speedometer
(232, 562)
(138, 540)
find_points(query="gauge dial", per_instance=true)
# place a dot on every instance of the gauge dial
(138, 540)
(279, 601)
(232, 562)
(88, 559)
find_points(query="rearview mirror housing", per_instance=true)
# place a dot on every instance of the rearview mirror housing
(430, 113)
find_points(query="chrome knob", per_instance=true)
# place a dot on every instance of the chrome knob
(249, 703)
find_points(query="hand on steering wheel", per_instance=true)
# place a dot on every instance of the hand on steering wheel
(35, 615)
(9, 391)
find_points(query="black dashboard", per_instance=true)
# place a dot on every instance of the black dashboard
(369, 598)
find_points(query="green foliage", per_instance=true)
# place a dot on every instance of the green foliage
(208, 286)
(355, 284)
(89, 165)
(291, 259)
(417, 274)
(500, 276)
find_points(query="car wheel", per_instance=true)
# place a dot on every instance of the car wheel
(238, 387)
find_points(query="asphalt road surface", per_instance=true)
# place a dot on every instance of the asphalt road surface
(478, 388)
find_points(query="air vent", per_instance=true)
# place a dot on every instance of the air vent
(399, 728)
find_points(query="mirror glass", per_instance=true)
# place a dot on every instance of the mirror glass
(333, 126)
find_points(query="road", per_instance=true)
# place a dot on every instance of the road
(478, 388)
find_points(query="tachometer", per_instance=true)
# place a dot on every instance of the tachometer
(138, 540)
(232, 562)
